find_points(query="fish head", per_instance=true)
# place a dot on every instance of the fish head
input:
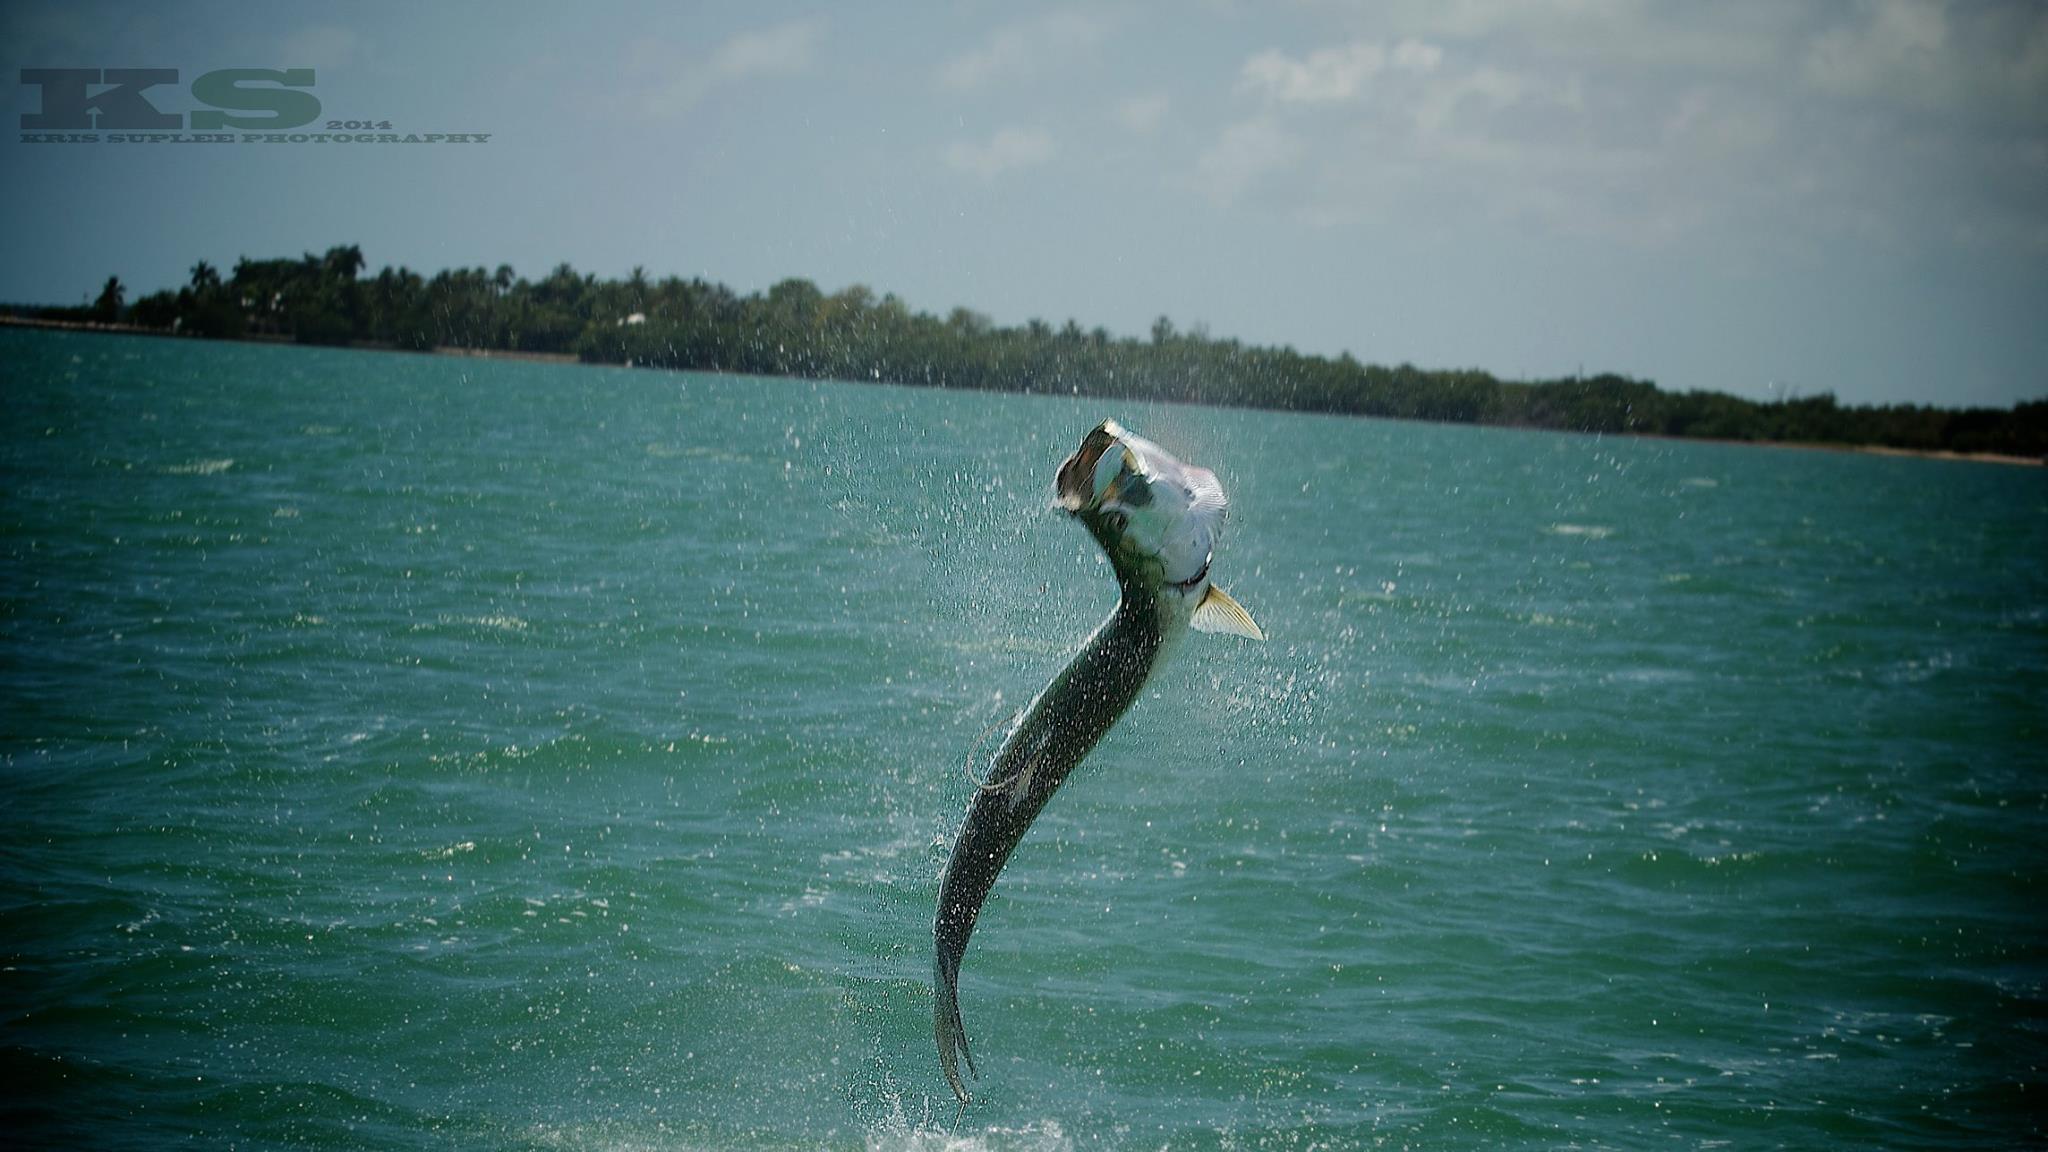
(1157, 518)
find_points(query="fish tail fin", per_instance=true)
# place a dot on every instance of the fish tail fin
(947, 1027)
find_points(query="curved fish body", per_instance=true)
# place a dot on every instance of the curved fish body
(1158, 520)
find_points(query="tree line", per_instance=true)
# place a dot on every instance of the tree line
(795, 329)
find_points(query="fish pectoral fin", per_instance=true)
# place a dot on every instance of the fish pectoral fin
(1219, 613)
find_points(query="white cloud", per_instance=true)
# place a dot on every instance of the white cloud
(1415, 56)
(1734, 132)
(1976, 61)
(1009, 150)
(786, 49)
(1902, 43)
(1406, 129)
(1332, 75)
(1489, 89)
(1023, 49)
(1142, 114)
(1608, 33)
(1469, 19)
(1326, 76)
(782, 50)
(1245, 154)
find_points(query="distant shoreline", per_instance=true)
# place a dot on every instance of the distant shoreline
(98, 328)
(795, 329)
(117, 329)
(1858, 449)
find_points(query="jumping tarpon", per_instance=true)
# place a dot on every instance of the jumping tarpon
(1158, 520)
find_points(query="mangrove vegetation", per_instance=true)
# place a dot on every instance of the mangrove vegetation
(796, 329)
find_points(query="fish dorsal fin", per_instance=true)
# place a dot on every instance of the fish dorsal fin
(1219, 613)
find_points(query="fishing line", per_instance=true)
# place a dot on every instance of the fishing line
(982, 783)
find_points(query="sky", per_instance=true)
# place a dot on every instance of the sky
(1770, 198)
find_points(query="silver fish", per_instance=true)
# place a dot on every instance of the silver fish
(1158, 520)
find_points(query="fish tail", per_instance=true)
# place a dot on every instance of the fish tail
(947, 1027)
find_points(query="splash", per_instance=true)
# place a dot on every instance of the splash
(200, 467)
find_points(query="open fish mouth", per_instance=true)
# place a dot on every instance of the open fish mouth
(1076, 482)
(1157, 517)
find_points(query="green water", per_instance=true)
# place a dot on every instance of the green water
(407, 752)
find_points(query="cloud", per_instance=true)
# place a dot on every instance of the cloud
(1901, 42)
(1415, 56)
(1968, 60)
(782, 50)
(1332, 75)
(1405, 128)
(1735, 132)
(1246, 152)
(1021, 50)
(1142, 114)
(1608, 33)
(1326, 76)
(1471, 95)
(786, 49)
(1009, 150)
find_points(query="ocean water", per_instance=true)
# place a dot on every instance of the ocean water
(410, 752)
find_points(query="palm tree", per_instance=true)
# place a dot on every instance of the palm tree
(344, 261)
(204, 277)
(108, 306)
